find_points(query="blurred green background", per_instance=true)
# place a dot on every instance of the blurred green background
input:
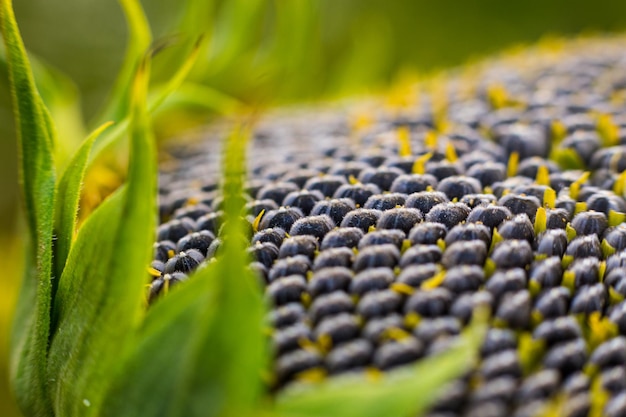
(262, 53)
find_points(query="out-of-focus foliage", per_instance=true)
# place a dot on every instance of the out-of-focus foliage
(277, 51)
(322, 48)
(10, 247)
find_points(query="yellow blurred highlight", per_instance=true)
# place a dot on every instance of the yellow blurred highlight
(404, 139)
(543, 175)
(11, 248)
(511, 168)
(419, 166)
(497, 95)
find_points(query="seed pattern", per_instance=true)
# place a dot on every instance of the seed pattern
(377, 243)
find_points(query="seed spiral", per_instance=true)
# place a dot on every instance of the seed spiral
(377, 236)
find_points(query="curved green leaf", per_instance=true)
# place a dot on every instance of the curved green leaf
(139, 40)
(236, 28)
(204, 342)
(100, 298)
(164, 351)
(61, 97)
(68, 192)
(35, 136)
(36, 170)
(164, 91)
(194, 22)
(405, 392)
(294, 43)
(79, 302)
(197, 17)
(156, 100)
(198, 96)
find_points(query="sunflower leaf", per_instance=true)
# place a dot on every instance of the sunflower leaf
(197, 96)
(99, 303)
(68, 192)
(37, 177)
(194, 22)
(164, 91)
(139, 40)
(235, 30)
(209, 329)
(168, 335)
(61, 97)
(155, 101)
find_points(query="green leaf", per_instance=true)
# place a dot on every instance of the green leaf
(155, 101)
(157, 98)
(197, 96)
(404, 392)
(164, 351)
(193, 23)
(139, 40)
(84, 285)
(62, 99)
(204, 342)
(60, 95)
(26, 377)
(34, 135)
(237, 332)
(368, 55)
(197, 17)
(100, 299)
(68, 192)
(294, 44)
(37, 178)
(236, 30)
